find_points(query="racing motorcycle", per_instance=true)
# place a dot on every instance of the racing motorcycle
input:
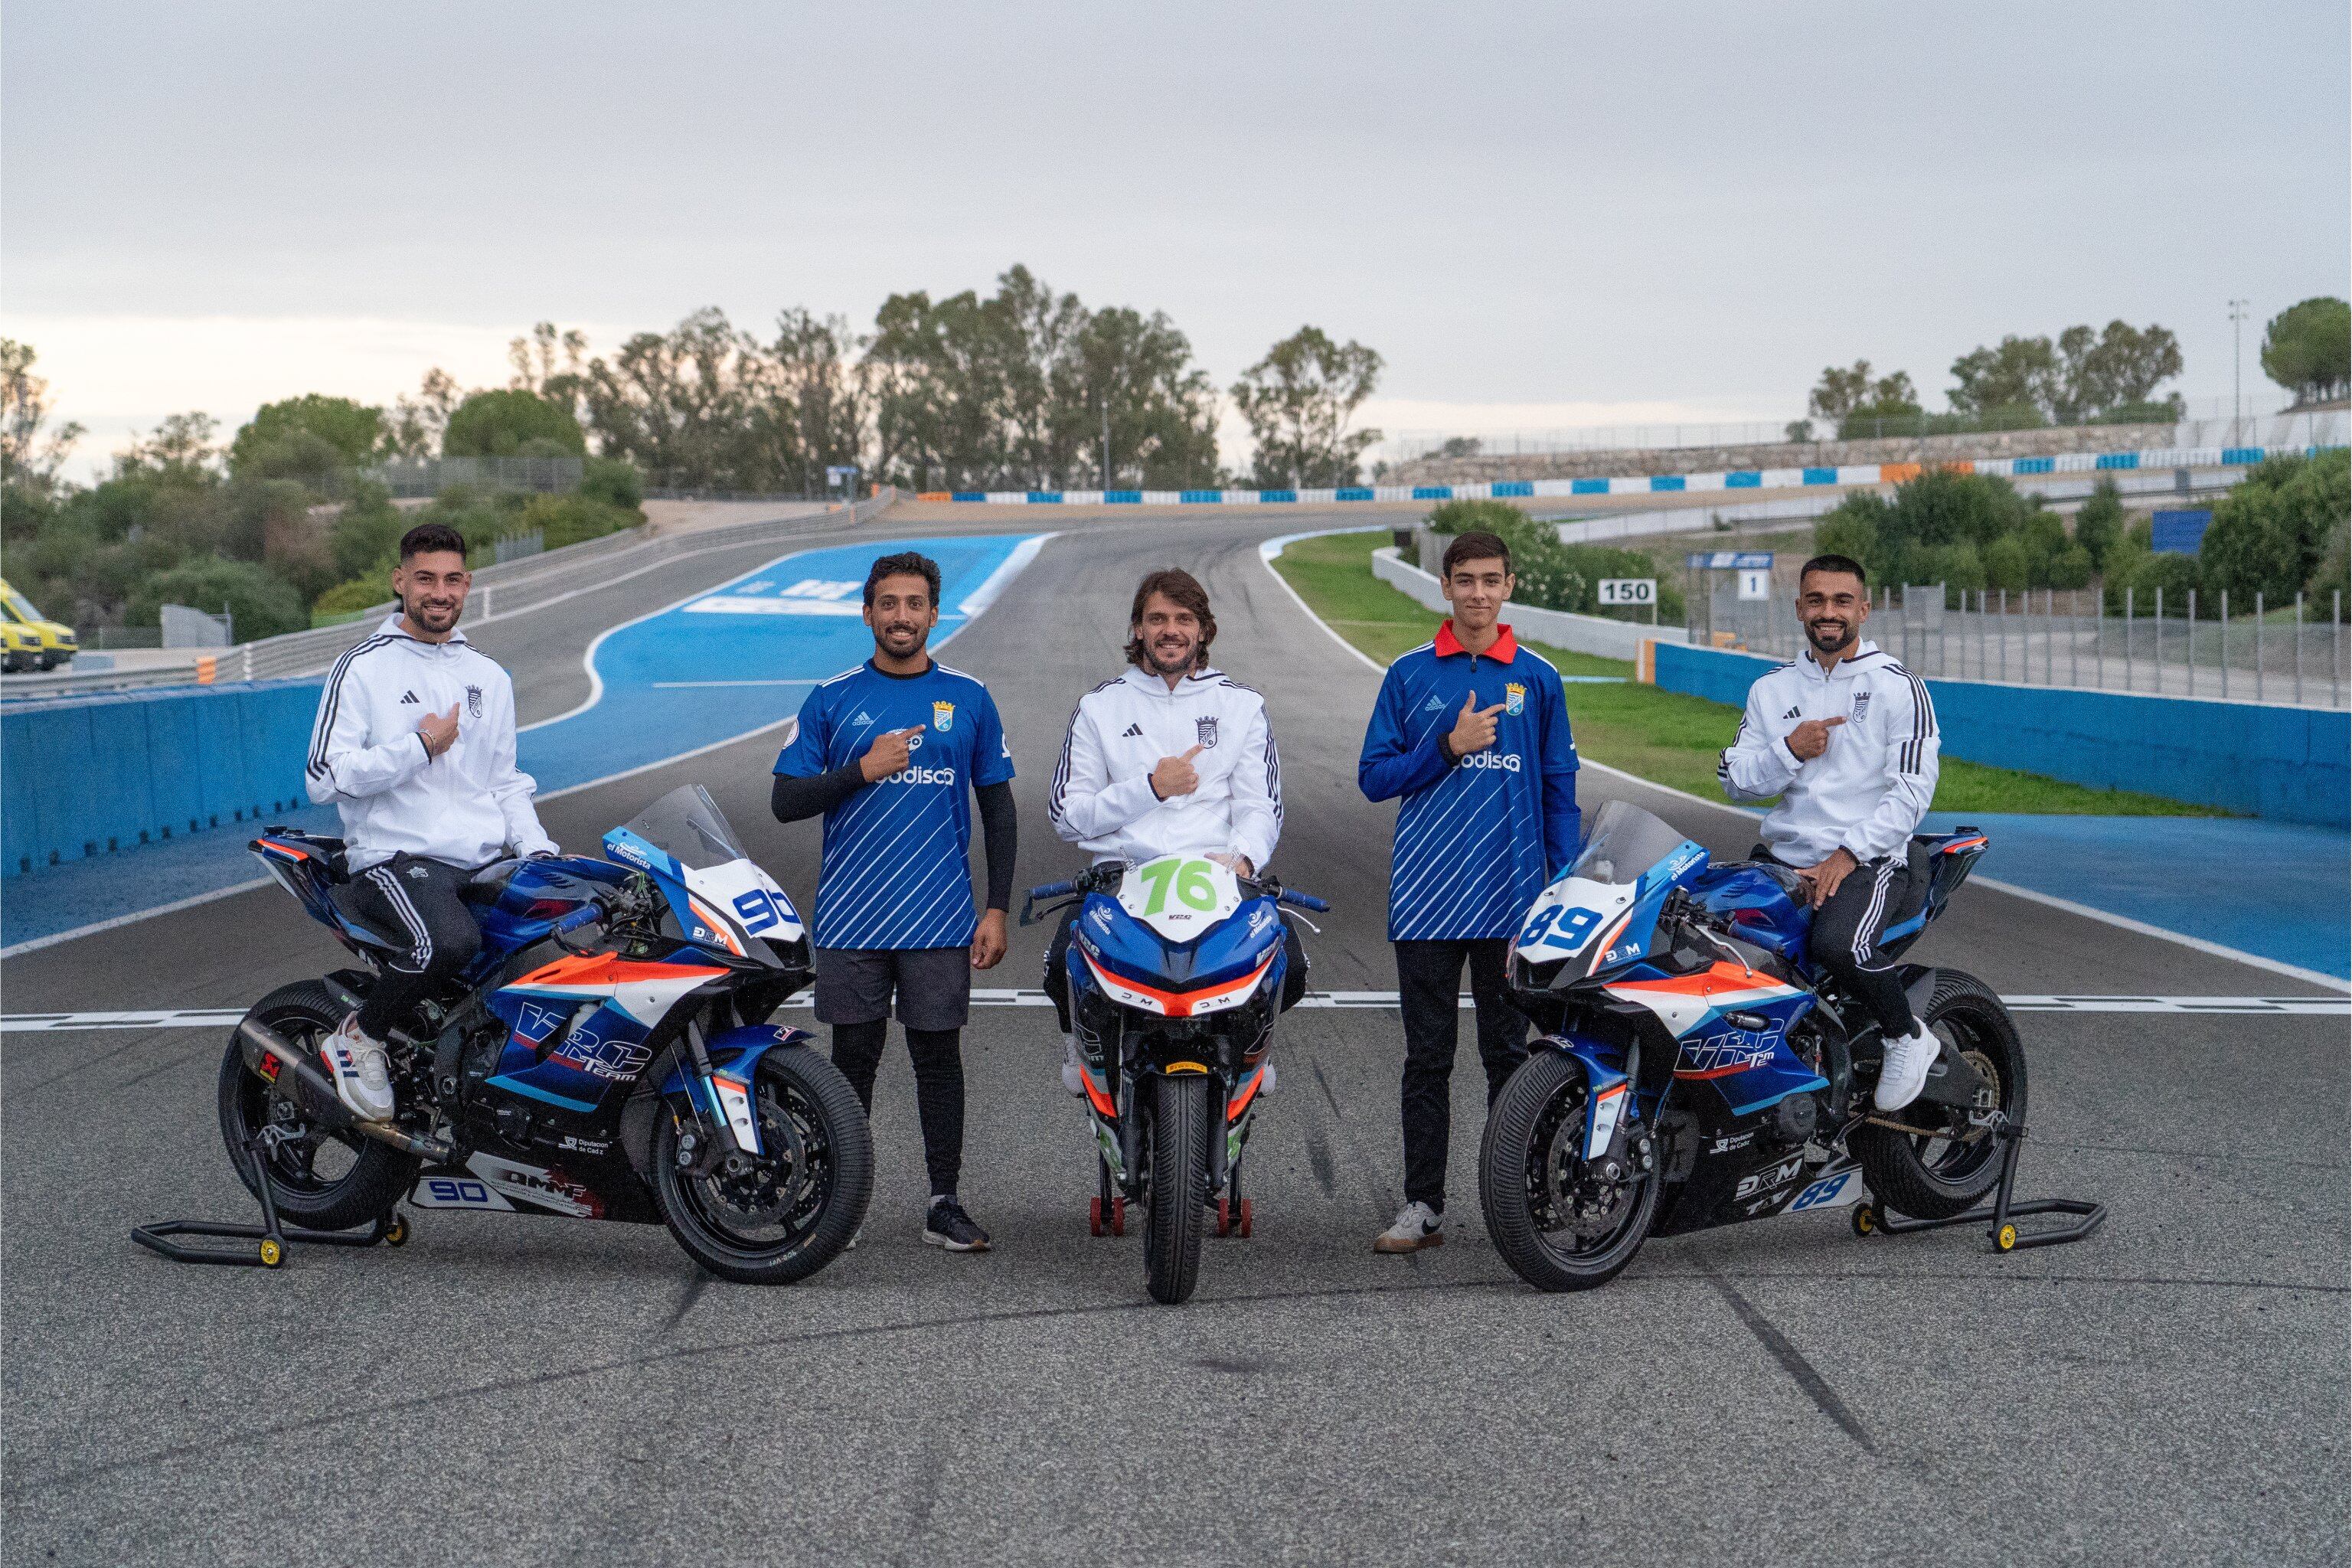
(1696, 1071)
(606, 1056)
(1177, 969)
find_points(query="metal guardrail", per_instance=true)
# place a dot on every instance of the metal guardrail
(511, 589)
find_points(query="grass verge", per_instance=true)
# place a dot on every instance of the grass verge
(1665, 737)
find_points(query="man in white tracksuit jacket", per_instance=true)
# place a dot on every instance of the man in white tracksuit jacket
(1168, 757)
(415, 744)
(1846, 738)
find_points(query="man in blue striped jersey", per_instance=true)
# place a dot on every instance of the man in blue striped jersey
(892, 753)
(1471, 730)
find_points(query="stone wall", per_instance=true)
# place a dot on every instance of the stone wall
(1596, 464)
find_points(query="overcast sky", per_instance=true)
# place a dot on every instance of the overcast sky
(1543, 215)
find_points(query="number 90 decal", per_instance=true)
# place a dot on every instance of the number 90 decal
(1556, 925)
(757, 911)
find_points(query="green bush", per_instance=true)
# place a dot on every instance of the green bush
(1966, 530)
(569, 520)
(2270, 532)
(260, 602)
(501, 424)
(2099, 522)
(359, 594)
(613, 481)
(2137, 569)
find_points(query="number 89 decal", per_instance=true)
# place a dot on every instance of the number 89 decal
(1556, 925)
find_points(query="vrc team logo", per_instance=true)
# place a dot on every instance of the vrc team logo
(942, 717)
(1205, 731)
(474, 702)
(1515, 699)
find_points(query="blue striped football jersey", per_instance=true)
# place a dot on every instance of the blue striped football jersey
(1476, 839)
(896, 869)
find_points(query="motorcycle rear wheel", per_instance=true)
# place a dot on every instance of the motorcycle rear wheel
(804, 1198)
(320, 1180)
(1527, 1155)
(1175, 1209)
(1947, 1166)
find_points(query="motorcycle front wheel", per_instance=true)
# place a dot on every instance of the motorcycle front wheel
(318, 1180)
(1177, 1164)
(1556, 1223)
(803, 1198)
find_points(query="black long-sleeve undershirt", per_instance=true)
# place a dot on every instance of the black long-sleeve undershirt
(795, 799)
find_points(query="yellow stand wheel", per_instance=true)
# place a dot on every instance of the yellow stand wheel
(272, 1254)
(2006, 1238)
(396, 1233)
(1865, 1219)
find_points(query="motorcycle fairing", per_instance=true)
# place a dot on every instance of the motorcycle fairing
(1609, 1092)
(1756, 902)
(1748, 1061)
(1604, 923)
(734, 1055)
(733, 906)
(577, 1027)
(1135, 965)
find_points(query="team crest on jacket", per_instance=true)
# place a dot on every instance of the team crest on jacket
(1861, 705)
(472, 701)
(1204, 730)
(1515, 699)
(943, 717)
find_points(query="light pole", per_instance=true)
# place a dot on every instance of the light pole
(2237, 396)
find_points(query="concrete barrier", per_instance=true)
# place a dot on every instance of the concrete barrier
(1579, 634)
(2293, 765)
(93, 775)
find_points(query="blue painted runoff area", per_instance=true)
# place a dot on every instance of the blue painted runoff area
(725, 663)
(2291, 764)
(2281, 889)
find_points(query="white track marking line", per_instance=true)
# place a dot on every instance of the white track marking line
(1271, 547)
(2178, 1006)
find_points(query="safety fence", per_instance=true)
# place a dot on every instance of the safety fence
(2294, 654)
(2291, 764)
(99, 774)
(2024, 469)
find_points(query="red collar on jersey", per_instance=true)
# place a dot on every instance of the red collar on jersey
(1506, 648)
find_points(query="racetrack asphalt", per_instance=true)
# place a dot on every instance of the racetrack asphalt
(518, 1390)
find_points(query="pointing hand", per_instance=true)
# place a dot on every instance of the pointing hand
(888, 753)
(1811, 738)
(1473, 727)
(439, 729)
(1175, 776)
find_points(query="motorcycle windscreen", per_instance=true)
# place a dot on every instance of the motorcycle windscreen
(1604, 910)
(727, 900)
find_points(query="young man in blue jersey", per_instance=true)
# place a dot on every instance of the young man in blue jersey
(887, 751)
(1471, 732)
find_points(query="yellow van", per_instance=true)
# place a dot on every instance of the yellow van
(55, 640)
(19, 649)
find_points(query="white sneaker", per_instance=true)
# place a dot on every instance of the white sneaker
(1905, 1071)
(1074, 1071)
(1416, 1227)
(359, 1072)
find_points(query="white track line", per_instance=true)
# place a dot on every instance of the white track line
(1272, 548)
(2257, 1007)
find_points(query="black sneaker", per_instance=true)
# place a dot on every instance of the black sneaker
(948, 1225)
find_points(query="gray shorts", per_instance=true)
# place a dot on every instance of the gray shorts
(854, 986)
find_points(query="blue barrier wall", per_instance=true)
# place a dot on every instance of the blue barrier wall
(100, 774)
(2291, 764)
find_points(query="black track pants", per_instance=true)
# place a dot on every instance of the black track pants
(1429, 981)
(412, 898)
(938, 1055)
(1844, 942)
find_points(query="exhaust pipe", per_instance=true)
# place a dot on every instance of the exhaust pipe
(317, 1096)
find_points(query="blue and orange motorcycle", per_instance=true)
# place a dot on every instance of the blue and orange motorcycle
(607, 1056)
(1177, 969)
(1694, 1071)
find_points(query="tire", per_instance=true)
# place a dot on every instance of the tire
(1947, 1167)
(1528, 1151)
(1178, 1164)
(803, 1201)
(318, 1180)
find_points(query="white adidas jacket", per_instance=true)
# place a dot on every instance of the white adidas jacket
(1103, 800)
(1869, 790)
(467, 806)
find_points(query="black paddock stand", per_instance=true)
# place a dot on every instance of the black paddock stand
(389, 1228)
(2003, 1232)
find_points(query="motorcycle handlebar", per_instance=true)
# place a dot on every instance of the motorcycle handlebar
(1304, 901)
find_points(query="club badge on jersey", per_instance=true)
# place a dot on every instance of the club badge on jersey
(943, 717)
(1204, 730)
